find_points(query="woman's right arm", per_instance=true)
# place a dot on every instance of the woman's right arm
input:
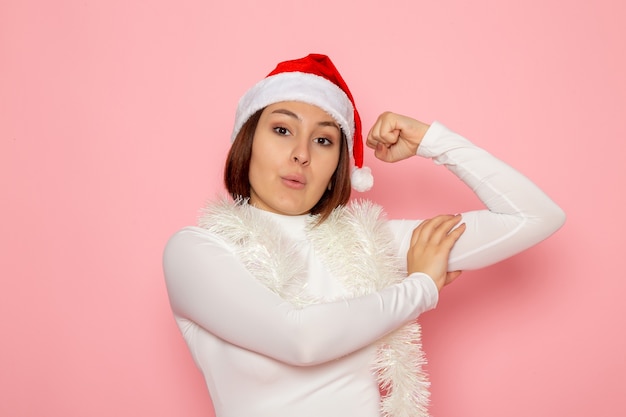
(208, 285)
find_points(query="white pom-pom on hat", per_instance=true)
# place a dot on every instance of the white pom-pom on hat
(362, 179)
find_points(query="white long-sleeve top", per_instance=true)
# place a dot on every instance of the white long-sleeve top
(263, 357)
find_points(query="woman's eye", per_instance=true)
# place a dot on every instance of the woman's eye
(281, 130)
(323, 141)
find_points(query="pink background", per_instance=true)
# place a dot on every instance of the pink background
(114, 121)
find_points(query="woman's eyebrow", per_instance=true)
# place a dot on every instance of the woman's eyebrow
(330, 123)
(289, 113)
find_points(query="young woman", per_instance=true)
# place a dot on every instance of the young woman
(295, 302)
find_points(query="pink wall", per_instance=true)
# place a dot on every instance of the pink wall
(114, 119)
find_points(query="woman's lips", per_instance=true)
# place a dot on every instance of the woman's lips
(296, 182)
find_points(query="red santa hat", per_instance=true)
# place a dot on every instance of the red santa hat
(313, 80)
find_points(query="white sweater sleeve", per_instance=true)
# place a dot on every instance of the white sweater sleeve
(209, 286)
(518, 215)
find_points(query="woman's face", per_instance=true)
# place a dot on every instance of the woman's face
(295, 151)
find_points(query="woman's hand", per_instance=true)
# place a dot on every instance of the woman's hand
(430, 248)
(395, 137)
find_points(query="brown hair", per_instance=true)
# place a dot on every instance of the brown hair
(237, 167)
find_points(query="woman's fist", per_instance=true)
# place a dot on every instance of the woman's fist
(395, 137)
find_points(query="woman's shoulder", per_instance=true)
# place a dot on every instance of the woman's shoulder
(190, 236)
(188, 231)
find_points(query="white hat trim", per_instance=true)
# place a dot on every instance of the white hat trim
(298, 86)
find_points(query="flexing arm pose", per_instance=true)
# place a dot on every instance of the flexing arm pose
(206, 278)
(294, 301)
(518, 213)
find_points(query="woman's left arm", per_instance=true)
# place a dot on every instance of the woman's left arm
(518, 215)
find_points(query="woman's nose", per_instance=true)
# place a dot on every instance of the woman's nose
(301, 154)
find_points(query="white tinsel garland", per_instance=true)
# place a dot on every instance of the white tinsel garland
(357, 248)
